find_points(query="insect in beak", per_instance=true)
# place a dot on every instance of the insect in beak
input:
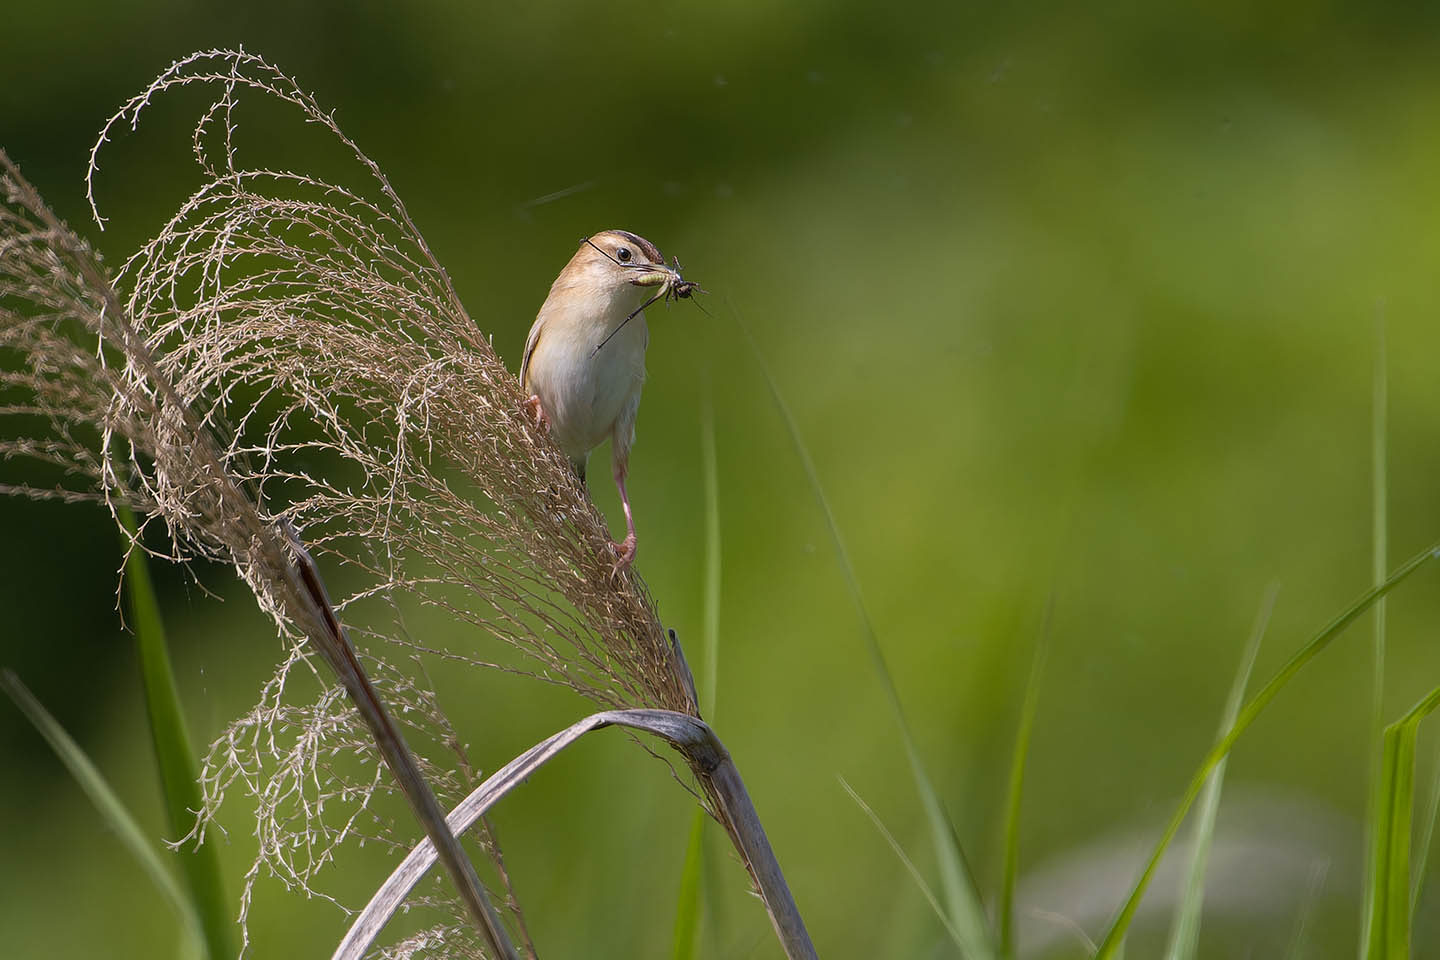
(672, 286)
(655, 275)
(680, 288)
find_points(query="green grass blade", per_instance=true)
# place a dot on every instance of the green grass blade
(710, 637)
(687, 908)
(914, 871)
(1387, 916)
(1379, 530)
(1387, 929)
(1248, 713)
(1427, 834)
(1017, 788)
(1185, 933)
(112, 811)
(179, 777)
(964, 905)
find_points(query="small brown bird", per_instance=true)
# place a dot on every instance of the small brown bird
(584, 361)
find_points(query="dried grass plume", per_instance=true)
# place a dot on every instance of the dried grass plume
(287, 353)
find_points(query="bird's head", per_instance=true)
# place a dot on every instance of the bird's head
(618, 267)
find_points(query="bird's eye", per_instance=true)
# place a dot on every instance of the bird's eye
(623, 254)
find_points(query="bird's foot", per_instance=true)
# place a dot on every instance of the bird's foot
(532, 406)
(624, 555)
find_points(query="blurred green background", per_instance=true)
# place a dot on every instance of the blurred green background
(1070, 302)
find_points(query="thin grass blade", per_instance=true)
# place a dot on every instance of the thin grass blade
(1387, 928)
(1017, 787)
(1313, 648)
(904, 858)
(964, 905)
(179, 776)
(1185, 933)
(1427, 834)
(1379, 531)
(110, 807)
(711, 603)
(1387, 922)
(692, 874)
(687, 907)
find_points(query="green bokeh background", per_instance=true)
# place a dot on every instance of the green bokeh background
(1067, 302)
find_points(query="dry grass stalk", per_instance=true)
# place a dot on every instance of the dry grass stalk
(289, 356)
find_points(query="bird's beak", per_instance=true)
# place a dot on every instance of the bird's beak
(654, 275)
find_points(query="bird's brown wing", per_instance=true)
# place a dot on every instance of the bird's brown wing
(530, 343)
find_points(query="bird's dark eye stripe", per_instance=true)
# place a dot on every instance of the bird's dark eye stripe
(624, 254)
(651, 253)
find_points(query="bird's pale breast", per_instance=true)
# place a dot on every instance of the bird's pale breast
(584, 391)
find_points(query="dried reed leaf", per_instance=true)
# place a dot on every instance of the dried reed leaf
(707, 757)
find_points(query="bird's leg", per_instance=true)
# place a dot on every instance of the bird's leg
(625, 550)
(532, 406)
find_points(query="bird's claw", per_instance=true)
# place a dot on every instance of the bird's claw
(532, 406)
(624, 555)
